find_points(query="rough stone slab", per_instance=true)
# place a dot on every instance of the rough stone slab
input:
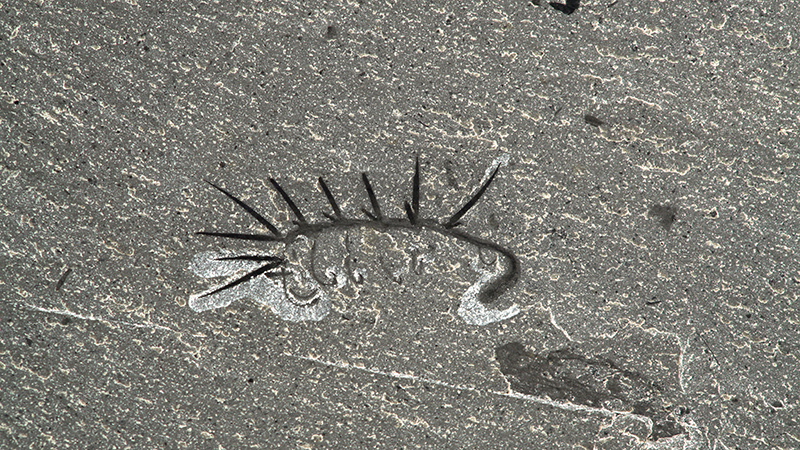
(648, 185)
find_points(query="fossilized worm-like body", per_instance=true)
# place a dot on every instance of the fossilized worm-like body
(316, 262)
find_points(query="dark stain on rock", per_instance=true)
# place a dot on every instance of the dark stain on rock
(331, 32)
(665, 214)
(592, 120)
(566, 375)
(63, 279)
(567, 8)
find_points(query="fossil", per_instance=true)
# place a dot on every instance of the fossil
(292, 274)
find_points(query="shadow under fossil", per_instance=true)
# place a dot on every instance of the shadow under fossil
(567, 375)
(298, 278)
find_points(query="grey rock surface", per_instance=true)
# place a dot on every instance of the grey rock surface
(648, 181)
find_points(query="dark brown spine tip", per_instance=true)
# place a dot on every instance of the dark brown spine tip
(329, 195)
(263, 269)
(241, 236)
(412, 217)
(376, 208)
(472, 201)
(261, 219)
(295, 210)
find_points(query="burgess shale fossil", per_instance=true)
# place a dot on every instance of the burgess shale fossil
(296, 273)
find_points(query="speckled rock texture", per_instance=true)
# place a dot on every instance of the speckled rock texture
(647, 188)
